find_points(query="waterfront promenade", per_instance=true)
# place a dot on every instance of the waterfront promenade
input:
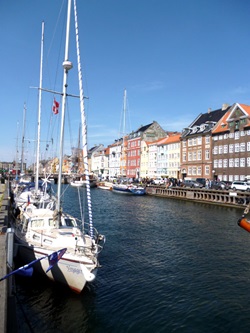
(227, 198)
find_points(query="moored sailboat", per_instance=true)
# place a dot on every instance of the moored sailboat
(41, 231)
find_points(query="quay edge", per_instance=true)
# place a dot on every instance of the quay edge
(209, 196)
(8, 319)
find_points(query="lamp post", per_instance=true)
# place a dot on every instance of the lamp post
(213, 174)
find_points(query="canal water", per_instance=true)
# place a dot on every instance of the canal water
(168, 266)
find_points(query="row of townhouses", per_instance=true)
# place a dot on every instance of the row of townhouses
(216, 145)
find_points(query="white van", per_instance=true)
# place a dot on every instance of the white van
(238, 185)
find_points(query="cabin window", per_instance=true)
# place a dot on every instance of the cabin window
(69, 222)
(37, 223)
(51, 223)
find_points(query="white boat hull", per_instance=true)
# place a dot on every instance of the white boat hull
(36, 236)
(69, 271)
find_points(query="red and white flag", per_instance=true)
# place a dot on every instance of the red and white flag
(55, 107)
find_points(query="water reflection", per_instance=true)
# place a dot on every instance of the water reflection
(168, 266)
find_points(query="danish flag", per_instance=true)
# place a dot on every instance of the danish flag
(55, 107)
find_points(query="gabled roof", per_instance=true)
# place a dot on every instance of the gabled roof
(223, 124)
(170, 139)
(143, 128)
(212, 116)
(244, 108)
(205, 122)
(154, 142)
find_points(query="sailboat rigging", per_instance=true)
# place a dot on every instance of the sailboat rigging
(123, 184)
(38, 193)
(40, 231)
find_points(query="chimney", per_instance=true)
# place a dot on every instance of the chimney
(224, 106)
(209, 110)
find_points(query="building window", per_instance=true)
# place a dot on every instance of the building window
(199, 140)
(215, 150)
(215, 163)
(184, 143)
(207, 154)
(231, 148)
(184, 157)
(236, 162)
(237, 148)
(199, 155)
(242, 147)
(248, 146)
(220, 164)
(242, 162)
(207, 170)
(190, 156)
(248, 161)
(194, 171)
(237, 135)
(194, 156)
(231, 163)
(225, 149)
(220, 149)
(199, 170)
(225, 163)
(207, 139)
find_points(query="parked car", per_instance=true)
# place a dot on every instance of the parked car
(240, 186)
(220, 185)
(192, 183)
(228, 183)
(202, 181)
(158, 181)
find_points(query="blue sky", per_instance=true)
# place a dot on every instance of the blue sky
(175, 58)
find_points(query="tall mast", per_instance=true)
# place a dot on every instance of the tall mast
(39, 112)
(124, 132)
(124, 112)
(17, 152)
(24, 121)
(67, 65)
